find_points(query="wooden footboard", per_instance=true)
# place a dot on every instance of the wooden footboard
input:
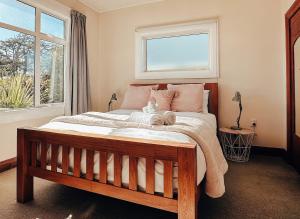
(30, 141)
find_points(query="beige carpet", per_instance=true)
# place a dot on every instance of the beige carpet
(265, 187)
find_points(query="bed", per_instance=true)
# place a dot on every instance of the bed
(159, 167)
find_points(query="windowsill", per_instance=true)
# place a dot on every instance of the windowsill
(203, 73)
(17, 115)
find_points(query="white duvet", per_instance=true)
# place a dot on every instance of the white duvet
(208, 120)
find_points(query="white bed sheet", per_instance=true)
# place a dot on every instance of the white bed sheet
(135, 133)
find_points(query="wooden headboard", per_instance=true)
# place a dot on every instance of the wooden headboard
(213, 95)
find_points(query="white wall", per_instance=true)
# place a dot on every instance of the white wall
(252, 56)
(8, 136)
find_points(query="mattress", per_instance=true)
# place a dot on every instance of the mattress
(135, 133)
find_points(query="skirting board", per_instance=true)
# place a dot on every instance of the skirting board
(8, 164)
(279, 152)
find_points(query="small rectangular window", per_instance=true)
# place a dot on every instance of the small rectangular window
(52, 73)
(17, 14)
(16, 69)
(52, 26)
(186, 52)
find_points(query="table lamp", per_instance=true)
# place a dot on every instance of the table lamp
(238, 98)
(112, 99)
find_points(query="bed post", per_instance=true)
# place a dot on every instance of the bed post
(187, 183)
(24, 180)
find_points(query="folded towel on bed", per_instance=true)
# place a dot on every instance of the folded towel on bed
(151, 108)
(169, 117)
(165, 118)
(146, 118)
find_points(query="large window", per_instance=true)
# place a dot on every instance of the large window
(32, 56)
(188, 50)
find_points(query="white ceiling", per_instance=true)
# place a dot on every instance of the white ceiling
(110, 5)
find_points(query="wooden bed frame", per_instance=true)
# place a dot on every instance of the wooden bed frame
(184, 202)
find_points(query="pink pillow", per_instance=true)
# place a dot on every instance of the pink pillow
(163, 98)
(136, 97)
(188, 97)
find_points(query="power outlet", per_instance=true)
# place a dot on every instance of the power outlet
(253, 123)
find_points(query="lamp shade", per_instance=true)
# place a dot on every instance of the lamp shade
(237, 97)
(114, 97)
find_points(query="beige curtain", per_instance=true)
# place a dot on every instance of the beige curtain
(78, 78)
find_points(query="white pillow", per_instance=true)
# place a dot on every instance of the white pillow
(205, 101)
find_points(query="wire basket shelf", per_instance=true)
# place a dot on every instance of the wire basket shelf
(237, 147)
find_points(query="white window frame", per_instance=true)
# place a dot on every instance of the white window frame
(209, 27)
(39, 110)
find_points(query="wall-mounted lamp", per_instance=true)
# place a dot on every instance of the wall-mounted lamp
(238, 98)
(112, 99)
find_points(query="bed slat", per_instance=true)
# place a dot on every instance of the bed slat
(90, 165)
(103, 167)
(33, 153)
(117, 169)
(133, 161)
(44, 149)
(65, 159)
(77, 161)
(168, 179)
(54, 155)
(150, 175)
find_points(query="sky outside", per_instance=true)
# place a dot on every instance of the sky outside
(190, 51)
(21, 15)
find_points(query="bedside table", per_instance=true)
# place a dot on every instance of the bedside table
(236, 144)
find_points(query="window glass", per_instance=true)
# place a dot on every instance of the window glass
(16, 69)
(17, 14)
(18, 61)
(178, 53)
(52, 26)
(52, 73)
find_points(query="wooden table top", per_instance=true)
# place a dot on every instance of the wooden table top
(237, 132)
